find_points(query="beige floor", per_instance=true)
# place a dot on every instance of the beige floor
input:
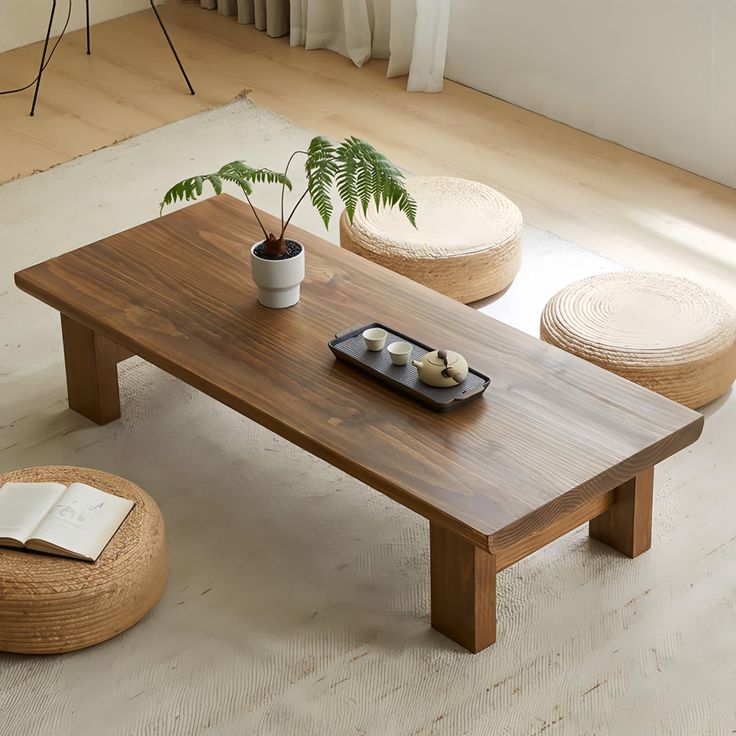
(620, 203)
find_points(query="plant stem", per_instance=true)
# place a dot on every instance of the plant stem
(255, 213)
(283, 229)
(283, 187)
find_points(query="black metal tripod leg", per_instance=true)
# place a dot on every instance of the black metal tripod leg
(171, 46)
(86, 2)
(43, 56)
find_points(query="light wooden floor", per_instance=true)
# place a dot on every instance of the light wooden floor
(625, 205)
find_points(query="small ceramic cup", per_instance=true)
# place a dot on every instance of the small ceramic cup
(399, 352)
(375, 338)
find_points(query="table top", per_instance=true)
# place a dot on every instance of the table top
(551, 432)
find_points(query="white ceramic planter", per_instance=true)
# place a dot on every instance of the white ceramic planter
(278, 281)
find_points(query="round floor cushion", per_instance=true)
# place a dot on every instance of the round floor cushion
(467, 243)
(52, 604)
(662, 332)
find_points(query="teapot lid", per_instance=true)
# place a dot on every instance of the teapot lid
(435, 359)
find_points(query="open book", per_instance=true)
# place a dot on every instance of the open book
(72, 521)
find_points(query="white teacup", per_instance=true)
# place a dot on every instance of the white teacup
(375, 338)
(399, 352)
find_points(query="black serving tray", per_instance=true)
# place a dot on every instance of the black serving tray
(349, 346)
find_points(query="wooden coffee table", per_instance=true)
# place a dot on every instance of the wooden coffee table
(554, 442)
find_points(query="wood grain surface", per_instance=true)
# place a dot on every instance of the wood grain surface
(627, 525)
(91, 362)
(463, 584)
(552, 436)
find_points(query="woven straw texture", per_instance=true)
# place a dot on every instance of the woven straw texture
(51, 604)
(662, 332)
(467, 243)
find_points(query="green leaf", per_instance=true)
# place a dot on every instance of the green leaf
(358, 171)
(321, 168)
(216, 182)
(237, 172)
(187, 189)
(364, 174)
(243, 175)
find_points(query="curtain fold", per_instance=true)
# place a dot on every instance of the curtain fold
(411, 34)
(271, 16)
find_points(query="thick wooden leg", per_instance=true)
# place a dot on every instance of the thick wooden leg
(627, 525)
(91, 372)
(463, 579)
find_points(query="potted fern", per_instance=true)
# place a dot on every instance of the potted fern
(354, 167)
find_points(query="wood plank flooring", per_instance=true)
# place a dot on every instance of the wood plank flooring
(625, 205)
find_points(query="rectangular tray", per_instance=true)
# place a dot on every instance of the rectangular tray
(349, 347)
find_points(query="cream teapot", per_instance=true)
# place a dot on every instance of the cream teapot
(442, 368)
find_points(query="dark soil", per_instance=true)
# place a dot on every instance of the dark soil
(292, 249)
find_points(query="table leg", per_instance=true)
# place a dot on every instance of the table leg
(91, 372)
(627, 525)
(463, 580)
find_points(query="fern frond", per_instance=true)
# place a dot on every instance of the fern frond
(346, 182)
(358, 171)
(321, 168)
(237, 172)
(191, 188)
(367, 174)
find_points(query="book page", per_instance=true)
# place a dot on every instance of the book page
(23, 505)
(82, 521)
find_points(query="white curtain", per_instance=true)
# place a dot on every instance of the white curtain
(271, 16)
(411, 34)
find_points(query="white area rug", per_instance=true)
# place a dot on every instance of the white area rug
(298, 598)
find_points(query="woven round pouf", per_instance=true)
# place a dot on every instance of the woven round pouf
(467, 243)
(52, 604)
(662, 332)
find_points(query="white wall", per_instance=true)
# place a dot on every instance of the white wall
(658, 76)
(25, 21)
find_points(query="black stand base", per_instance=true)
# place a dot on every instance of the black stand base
(48, 35)
(171, 46)
(86, 4)
(43, 57)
